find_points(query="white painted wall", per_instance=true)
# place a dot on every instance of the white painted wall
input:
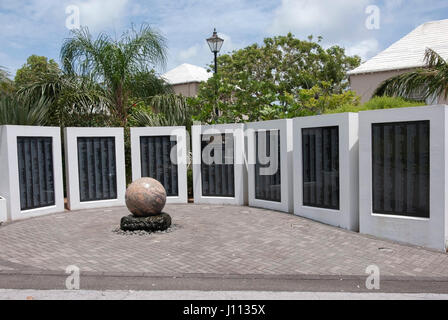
(3, 210)
(347, 215)
(71, 166)
(189, 89)
(432, 232)
(9, 174)
(181, 137)
(365, 84)
(285, 129)
(240, 164)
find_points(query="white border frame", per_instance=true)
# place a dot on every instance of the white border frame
(347, 217)
(285, 129)
(9, 175)
(181, 137)
(71, 166)
(239, 163)
(430, 232)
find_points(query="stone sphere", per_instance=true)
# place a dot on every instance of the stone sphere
(145, 197)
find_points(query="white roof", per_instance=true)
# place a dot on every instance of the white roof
(186, 73)
(409, 52)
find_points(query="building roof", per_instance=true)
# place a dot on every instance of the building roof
(409, 52)
(186, 73)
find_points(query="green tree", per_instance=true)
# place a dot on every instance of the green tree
(35, 69)
(123, 67)
(428, 82)
(284, 77)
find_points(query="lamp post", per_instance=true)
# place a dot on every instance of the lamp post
(215, 44)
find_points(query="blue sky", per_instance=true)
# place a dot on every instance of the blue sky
(39, 26)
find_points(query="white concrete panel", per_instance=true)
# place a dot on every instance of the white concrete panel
(428, 232)
(180, 134)
(9, 175)
(240, 172)
(72, 166)
(347, 215)
(284, 128)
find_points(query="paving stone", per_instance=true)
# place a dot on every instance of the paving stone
(207, 239)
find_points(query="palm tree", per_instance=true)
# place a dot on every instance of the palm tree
(17, 111)
(428, 82)
(122, 67)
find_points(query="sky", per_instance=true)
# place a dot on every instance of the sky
(363, 27)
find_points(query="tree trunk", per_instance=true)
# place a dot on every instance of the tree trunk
(121, 107)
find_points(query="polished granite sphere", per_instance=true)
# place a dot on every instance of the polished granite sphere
(145, 197)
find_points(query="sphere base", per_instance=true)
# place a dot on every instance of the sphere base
(159, 222)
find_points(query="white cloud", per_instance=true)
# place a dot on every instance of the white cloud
(30, 20)
(189, 53)
(102, 14)
(393, 4)
(365, 49)
(339, 22)
(200, 54)
(229, 45)
(38, 26)
(333, 19)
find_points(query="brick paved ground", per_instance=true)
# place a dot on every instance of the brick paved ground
(208, 239)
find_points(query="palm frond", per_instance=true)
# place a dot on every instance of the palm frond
(4, 75)
(71, 97)
(48, 86)
(16, 111)
(167, 110)
(409, 84)
(6, 84)
(174, 108)
(433, 59)
(143, 118)
(143, 47)
(83, 55)
(422, 83)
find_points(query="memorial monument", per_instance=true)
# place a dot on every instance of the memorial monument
(145, 199)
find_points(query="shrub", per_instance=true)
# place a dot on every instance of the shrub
(378, 103)
(391, 102)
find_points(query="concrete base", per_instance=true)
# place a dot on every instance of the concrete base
(159, 222)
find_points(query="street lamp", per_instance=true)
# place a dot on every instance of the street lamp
(215, 44)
